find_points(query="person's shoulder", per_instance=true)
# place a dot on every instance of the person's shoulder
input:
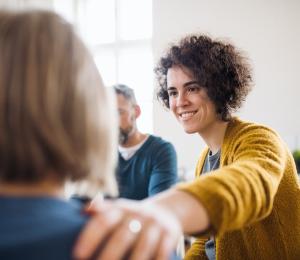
(157, 142)
(238, 126)
(48, 225)
(243, 132)
(64, 213)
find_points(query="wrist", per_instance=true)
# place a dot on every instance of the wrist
(188, 211)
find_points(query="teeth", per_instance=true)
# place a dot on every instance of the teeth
(186, 115)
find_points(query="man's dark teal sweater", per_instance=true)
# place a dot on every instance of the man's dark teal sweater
(152, 169)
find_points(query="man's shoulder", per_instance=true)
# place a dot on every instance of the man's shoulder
(157, 141)
(156, 146)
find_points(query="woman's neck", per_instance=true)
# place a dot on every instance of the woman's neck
(214, 136)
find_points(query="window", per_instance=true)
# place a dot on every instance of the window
(119, 34)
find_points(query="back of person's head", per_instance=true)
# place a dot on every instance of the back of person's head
(217, 65)
(55, 113)
(126, 92)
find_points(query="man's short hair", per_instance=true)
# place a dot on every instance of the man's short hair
(126, 92)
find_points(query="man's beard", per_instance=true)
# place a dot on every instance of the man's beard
(124, 135)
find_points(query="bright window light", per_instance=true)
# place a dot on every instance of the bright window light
(135, 19)
(106, 63)
(65, 8)
(119, 34)
(135, 68)
(97, 21)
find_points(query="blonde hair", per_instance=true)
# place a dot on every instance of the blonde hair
(55, 114)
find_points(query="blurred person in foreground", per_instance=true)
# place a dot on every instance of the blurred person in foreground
(56, 126)
(245, 200)
(147, 164)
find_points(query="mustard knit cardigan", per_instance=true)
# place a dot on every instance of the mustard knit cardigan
(253, 199)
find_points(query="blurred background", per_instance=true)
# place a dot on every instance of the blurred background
(126, 38)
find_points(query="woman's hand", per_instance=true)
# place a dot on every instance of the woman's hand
(120, 228)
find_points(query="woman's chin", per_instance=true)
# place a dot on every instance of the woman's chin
(189, 130)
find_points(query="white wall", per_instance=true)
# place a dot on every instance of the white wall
(268, 30)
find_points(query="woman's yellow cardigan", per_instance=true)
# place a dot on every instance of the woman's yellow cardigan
(253, 199)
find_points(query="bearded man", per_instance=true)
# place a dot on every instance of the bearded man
(147, 164)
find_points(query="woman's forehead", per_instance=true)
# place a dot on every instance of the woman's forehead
(179, 75)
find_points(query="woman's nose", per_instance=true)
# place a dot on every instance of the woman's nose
(181, 100)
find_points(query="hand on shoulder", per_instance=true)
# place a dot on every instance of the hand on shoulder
(122, 227)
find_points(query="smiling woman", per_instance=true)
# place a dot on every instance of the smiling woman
(189, 101)
(202, 81)
(228, 82)
(246, 183)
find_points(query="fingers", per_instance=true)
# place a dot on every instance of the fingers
(150, 243)
(166, 246)
(95, 232)
(140, 246)
(147, 243)
(119, 242)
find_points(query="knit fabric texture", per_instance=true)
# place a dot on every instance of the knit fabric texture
(253, 199)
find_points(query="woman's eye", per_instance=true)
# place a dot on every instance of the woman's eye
(193, 89)
(172, 93)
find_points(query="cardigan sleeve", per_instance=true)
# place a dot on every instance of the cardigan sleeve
(197, 250)
(242, 190)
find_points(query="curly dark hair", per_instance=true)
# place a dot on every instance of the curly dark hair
(217, 65)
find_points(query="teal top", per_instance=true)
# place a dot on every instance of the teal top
(39, 227)
(152, 169)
